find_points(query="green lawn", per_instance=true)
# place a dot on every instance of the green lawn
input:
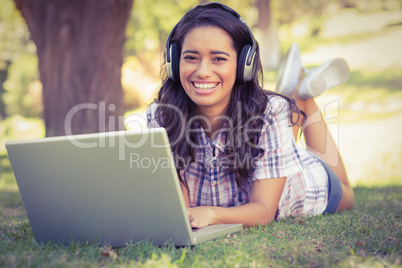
(370, 235)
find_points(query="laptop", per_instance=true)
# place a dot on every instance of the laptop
(111, 188)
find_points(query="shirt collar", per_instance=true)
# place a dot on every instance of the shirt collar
(219, 140)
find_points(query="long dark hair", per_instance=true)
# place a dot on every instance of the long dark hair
(253, 100)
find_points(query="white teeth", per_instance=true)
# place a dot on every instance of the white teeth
(205, 86)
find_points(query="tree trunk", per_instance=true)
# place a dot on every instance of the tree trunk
(80, 53)
(3, 78)
(269, 39)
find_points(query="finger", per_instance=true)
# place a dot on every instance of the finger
(194, 222)
(189, 215)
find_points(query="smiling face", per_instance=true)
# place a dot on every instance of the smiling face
(208, 64)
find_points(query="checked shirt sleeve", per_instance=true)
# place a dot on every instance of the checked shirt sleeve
(280, 158)
(150, 114)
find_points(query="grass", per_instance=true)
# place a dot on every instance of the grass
(369, 235)
(311, 42)
(369, 95)
(369, 86)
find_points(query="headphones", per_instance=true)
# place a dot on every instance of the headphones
(246, 61)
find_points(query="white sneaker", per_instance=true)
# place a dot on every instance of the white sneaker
(289, 70)
(324, 77)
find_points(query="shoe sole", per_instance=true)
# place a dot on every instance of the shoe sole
(334, 73)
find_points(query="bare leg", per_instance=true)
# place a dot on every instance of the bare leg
(320, 141)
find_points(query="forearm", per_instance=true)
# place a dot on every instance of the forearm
(249, 214)
(261, 208)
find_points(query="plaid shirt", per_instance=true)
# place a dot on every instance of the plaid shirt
(306, 188)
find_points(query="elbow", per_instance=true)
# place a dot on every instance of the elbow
(266, 220)
(264, 216)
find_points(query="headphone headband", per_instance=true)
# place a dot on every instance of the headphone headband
(246, 65)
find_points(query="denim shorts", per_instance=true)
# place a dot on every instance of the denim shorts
(334, 188)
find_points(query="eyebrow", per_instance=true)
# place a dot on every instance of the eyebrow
(213, 52)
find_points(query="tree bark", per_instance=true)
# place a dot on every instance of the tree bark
(3, 78)
(270, 46)
(80, 54)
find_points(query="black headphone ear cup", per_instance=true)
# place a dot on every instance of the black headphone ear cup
(241, 62)
(175, 61)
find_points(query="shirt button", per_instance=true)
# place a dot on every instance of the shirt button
(213, 183)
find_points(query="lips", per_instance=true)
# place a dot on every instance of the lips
(205, 86)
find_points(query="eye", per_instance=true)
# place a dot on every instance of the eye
(189, 58)
(219, 59)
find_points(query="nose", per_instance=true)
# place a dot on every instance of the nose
(204, 69)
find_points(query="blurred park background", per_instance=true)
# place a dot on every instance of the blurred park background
(365, 113)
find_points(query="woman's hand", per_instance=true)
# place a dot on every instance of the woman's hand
(200, 216)
(261, 208)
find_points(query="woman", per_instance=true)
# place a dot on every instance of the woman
(233, 142)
